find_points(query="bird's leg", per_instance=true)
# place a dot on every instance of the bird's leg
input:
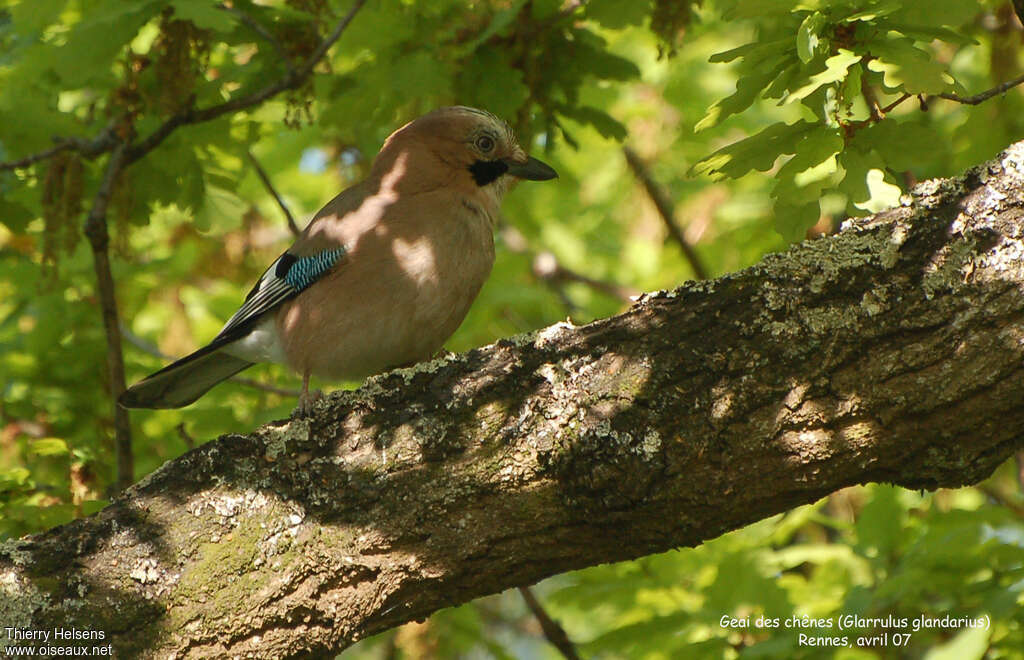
(443, 353)
(307, 399)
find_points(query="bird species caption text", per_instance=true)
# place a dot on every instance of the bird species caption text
(852, 630)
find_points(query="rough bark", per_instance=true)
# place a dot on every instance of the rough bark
(889, 352)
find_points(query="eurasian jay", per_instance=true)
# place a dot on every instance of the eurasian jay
(381, 276)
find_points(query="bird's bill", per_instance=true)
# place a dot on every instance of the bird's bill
(532, 169)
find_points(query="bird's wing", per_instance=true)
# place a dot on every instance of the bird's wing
(286, 278)
(312, 255)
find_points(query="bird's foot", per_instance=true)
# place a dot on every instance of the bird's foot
(307, 401)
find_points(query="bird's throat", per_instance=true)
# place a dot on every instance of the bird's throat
(487, 171)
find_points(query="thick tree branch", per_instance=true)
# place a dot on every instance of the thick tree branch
(891, 351)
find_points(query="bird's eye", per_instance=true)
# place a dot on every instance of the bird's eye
(485, 143)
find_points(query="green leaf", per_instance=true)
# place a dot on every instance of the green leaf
(884, 194)
(856, 165)
(808, 37)
(488, 81)
(541, 9)
(779, 87)
(835, 70)
(203, 14)
(755, 51)
(48, 447)
(793, 220)
(747, 89)
(757, 152)
(601, 63)
(880, 523)
(733, 9)
(926, 34)
(953, 13)
(813, 163)
(969, 644)
(605, 124)
(221, 209)
(93, 43)
(875, 12)
(907, 68)
(616, 14)
(15, 216)
(903, 146)
(500, 22)
(418, 74)
(13, 477)
(851, 89)
(31, 16)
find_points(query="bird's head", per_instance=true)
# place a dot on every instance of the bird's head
(463, 147)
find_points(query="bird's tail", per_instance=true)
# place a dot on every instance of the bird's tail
(183, 382)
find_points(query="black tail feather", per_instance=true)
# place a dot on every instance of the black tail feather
(184, 381)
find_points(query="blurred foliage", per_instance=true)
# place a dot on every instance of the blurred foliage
(806, 113)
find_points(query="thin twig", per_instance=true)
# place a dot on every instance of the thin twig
(190, 442)
(1010, 504)
(292, 79)
(35, 158)
(547, 268)
(99, 239)
(102, 143)
(258, 28)
(889, 108)
(146, 347)
(106, 140)
(666, 210)
(553, 632)
(986, 95)
(877, 113)
(294, 228)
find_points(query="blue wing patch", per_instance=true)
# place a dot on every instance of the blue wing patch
(285, 279)
(300, 273)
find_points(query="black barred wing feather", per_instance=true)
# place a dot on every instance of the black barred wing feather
(286, 278)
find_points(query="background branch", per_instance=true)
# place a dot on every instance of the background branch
(263, 32)
(107, 140)
(96, 231)
(268, 184)
(553, 632)
(292, 79)
(987, 94)
(666, 210)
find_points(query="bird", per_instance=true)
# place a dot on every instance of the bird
(381, 276)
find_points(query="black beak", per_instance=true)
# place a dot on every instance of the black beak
(532, 169)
